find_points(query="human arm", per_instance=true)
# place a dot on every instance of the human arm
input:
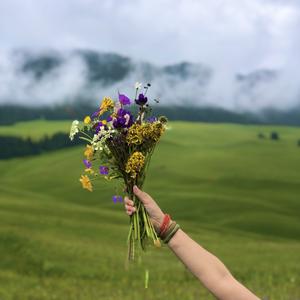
(204, 265)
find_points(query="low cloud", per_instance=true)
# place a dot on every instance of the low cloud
(228, 37)
(180, 84)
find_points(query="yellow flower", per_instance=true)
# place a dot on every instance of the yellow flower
(147, 131)
(104, 122)
(107, 103)
(135, 135)
(156, 131)
(89, 152)
(86, 183)
(89, 170)
(153, 131)
(87, 120)
(114, 115)
(135, 163)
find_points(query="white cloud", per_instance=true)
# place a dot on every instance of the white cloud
(229, 35)
(243, 32)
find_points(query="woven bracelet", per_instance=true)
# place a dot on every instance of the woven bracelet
(171, 234)
(168, 230)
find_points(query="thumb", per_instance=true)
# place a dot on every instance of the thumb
(144, 197)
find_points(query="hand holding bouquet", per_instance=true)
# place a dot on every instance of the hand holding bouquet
(121, 137)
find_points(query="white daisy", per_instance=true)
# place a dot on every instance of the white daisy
(138, 85)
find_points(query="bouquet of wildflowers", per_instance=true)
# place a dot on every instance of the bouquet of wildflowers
(121, 137)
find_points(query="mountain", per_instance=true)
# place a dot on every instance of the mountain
(51, 77)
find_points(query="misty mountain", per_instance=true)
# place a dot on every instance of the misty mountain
(55, 77)
(109, 68)
(257, 77)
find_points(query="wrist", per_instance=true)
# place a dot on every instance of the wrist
(158, 222)
(165, 224)
(175, 241)
(167, 229)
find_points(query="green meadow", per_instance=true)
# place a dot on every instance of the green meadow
(235, 194)
(35, 129)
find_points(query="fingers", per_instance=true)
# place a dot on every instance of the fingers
(144, 197)
(130, 209)
(128, 201)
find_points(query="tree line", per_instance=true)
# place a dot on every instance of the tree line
(11, 146)
(10, 114)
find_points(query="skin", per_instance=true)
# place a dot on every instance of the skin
(209, 270)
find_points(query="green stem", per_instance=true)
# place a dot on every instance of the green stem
(85, 134)
(145, 222)
(135, 226)
(129, 233)
(85, 139)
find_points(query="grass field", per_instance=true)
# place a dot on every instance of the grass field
(235, 194)
(35, 129)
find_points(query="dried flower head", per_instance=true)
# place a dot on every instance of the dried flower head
(135, 163)
(153, 131)
(157, 130)
(135, 134)
(146, 131)
(163, 119)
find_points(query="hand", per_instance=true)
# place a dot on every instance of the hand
(155, 213)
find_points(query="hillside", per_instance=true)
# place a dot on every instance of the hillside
(35, 129)
(235, 194)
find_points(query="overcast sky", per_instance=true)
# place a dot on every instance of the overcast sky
(229, 36)
(240, 34)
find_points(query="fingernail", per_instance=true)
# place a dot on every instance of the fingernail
(135, 188)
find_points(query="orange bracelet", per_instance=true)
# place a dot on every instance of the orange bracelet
(164, 225)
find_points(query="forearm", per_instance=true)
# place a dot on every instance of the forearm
(207, 268)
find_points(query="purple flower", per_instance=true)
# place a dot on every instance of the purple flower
(116, 198)
(141, 100)
(124, 99)
(124, 119)
(87, 163)
(98, 126)
(95, 114)
(152, 119)
(103, 170)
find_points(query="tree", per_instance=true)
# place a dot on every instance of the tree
(274, 136)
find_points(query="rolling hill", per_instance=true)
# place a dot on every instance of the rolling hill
(235, 194)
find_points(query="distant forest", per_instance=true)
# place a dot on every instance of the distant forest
(10, 114)
(18, 147)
